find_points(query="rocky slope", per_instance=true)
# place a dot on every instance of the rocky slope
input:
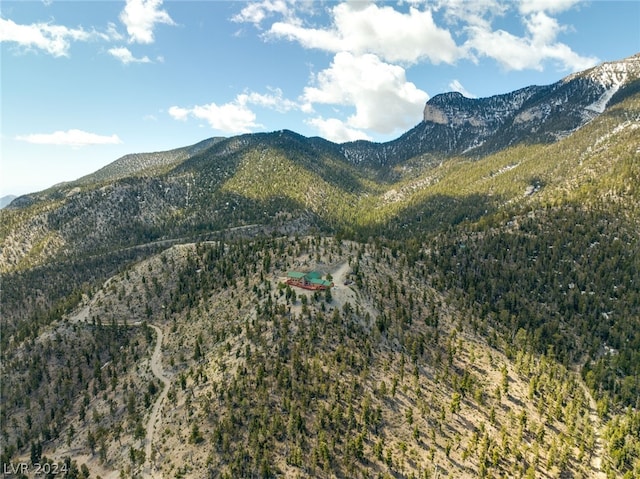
(453, 124)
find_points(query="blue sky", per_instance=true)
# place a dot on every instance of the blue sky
(83, 83)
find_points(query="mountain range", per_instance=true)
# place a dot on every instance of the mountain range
(483, 320)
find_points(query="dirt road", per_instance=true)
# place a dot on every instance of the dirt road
(340, 292)
(154, 417)
(598, 451)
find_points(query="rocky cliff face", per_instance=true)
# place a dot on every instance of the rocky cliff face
(453, 124)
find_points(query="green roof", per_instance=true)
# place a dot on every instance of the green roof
(313, 277)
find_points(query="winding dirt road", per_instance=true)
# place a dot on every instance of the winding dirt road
(598, 451)
(82, 315)
(158, 372)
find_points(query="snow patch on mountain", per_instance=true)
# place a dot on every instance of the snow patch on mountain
(599, 105)
(610, 76)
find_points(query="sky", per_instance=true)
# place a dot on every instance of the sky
(83, 83)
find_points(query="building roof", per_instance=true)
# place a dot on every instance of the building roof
(295, 275)
(313, 277)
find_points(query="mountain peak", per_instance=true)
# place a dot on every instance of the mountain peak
(607, 78)
(611, 73)
(454, 124)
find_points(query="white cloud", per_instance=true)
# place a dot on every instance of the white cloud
(258, 11)
(112, 32)
(141, 16)
(235, 116)
(336, 130)
(530, 51)
(382, 97)
(551, 6)
(455, 85)
(74, 138)
(53, 39)
(373, 43)
(125, 56)
(477, 12)
(179, 113)
(369, 28)
(274, 101)
(230, 117)
(413, 36)
(543, 28)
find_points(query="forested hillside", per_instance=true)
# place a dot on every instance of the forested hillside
(385, 375)
(484, 319)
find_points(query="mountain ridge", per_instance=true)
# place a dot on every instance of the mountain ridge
(493, 123)
(195, 186)
(455, 124)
